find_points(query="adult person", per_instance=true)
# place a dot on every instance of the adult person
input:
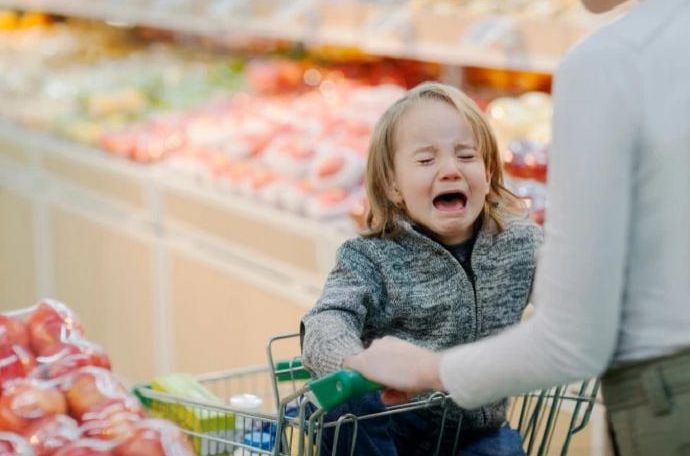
(612, 288)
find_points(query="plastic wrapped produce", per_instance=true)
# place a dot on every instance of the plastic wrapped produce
(52, 433)
(527, 159)
(24, 402)
(154, 437)
(12, 444)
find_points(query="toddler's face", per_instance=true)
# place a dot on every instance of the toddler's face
(439, 173)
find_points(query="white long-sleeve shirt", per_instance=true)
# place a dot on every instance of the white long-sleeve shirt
(613, 280)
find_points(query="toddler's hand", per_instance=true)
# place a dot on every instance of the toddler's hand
(391, 396)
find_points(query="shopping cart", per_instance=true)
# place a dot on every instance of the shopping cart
(548, 419)
(291, 419)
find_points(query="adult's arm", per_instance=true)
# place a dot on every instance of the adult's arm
(580, 278)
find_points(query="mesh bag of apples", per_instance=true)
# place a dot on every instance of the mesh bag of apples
(58, 396)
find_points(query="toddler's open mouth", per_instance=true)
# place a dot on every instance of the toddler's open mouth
(450, 201)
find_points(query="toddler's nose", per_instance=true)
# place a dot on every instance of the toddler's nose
(449, 169)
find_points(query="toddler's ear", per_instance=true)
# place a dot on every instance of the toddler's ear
(394, 195)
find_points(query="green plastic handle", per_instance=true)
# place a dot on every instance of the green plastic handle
(338, 387)
(287, 370)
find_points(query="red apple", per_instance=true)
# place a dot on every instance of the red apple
(154, 437)
(86, 447)
(72, 355)
(14, 445)
(90, 388)
(15, 362)
(114, 421)
(13, 332)
(26, 401)
(128, 405)
(50, 325)
(52, 433)
(116, 426)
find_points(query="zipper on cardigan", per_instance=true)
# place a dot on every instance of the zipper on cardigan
(471, 276)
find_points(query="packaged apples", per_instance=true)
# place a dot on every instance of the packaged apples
(337, 167)
(50, 325)
(155, 437)
(86, 447)
(72, 355)
(14, 445)
(13, 332)
(24, 402)
(15, 362)
(69, 375)
(332, 203)
(115, 428)
(112, 422)
(52, 433)
(91, 388)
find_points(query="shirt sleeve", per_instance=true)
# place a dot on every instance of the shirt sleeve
(333, 328)
(580, 275)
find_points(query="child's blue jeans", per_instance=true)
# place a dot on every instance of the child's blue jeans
(411, 433)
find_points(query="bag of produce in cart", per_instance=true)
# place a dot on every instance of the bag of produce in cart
(211, 423)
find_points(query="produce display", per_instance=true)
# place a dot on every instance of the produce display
(59, 396)
(523, 128)
(290, 133)
(305, 153)
(79, 78)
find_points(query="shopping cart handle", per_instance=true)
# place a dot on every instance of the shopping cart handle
(292, 369)
(340, 386)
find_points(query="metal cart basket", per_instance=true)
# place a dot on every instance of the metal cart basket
(290, 420)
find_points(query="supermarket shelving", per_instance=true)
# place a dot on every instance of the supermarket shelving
(405, 29)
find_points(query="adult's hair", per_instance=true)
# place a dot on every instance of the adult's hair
(384, 215)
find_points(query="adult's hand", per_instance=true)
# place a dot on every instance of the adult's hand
(398, 365)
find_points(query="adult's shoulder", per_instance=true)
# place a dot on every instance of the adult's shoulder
(615, 45)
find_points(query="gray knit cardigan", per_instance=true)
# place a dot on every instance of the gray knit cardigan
(413, 288)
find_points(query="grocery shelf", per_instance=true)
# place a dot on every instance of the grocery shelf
(284, 251)
(395, 29)
(121, 13)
